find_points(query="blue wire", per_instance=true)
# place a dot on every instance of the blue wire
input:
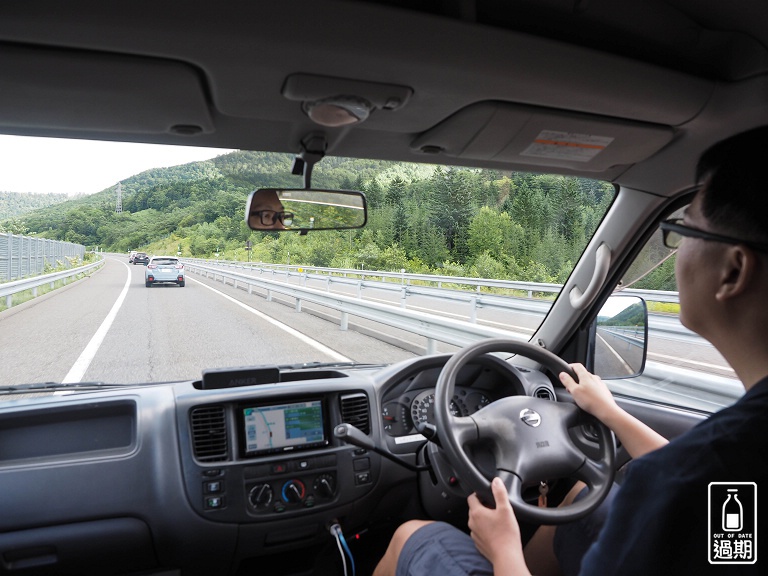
(344, 544)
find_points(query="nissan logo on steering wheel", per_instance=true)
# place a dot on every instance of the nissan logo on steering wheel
(530, 417)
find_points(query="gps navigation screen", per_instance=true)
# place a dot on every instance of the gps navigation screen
(283, 427)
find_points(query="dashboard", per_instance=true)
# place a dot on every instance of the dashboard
(408, 402)
(180, 475)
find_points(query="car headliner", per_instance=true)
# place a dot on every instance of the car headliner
(463, 82)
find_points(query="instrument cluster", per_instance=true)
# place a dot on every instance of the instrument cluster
(410, 412)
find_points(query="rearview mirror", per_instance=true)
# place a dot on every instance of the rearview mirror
(277, 209)
(619, 337)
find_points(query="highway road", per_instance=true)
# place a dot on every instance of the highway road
(109, 327)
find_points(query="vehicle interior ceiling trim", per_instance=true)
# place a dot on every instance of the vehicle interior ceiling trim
(310, 88)
(514, 133)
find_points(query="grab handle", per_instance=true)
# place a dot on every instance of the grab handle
(580, 300)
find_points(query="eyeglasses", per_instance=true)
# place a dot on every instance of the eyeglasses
(673, 232)
(269, 217)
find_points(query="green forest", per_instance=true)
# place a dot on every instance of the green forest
(13, 204)
(423, 218)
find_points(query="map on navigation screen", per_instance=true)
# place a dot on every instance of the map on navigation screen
(283, 427)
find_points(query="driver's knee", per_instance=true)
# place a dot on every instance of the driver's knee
(573, 493)
(405, 531)
(388, 564)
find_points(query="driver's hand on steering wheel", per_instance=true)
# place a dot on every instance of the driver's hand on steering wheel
(590, 393)
(496, 532)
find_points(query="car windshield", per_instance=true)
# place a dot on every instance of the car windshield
(474, 252)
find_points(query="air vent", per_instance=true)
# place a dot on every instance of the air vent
(354, 410)
(544, 393)
(209, 433)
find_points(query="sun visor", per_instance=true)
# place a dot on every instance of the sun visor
(89, 91)
(531, 136)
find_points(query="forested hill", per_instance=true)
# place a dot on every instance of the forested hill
(17, 203)
(422, 218)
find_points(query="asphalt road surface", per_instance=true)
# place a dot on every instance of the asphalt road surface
(109, 327)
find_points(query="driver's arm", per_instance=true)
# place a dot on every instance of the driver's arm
(496, 532)
(592, 395)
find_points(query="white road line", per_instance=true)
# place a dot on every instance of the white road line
(459, 316)
(627, 367)
(295, 333)
(77, 371)
(694, 362)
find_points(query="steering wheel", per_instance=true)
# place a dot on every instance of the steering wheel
(528, 437)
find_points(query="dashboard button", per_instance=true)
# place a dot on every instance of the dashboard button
(361, 464)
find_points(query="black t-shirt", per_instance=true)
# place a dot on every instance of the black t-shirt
(660, 520)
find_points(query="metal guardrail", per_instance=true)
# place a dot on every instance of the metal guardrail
(426, 325)
(8, 289)
(408, 279)
(433, 328)
(474, 299)
(338, 274)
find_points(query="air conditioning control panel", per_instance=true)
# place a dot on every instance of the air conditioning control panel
(285, 487)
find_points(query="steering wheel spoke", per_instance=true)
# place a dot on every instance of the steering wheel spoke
(463, 429)
(529, 438)
(592, 473)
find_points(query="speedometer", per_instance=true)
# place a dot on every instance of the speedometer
(423, 409)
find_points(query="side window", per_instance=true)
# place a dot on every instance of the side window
(682, 368)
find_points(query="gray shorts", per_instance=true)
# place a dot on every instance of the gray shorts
(440, 548)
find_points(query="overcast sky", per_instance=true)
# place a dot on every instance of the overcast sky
(43, 165)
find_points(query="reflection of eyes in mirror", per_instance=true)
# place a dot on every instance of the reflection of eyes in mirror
(267, 212)
(305, 209)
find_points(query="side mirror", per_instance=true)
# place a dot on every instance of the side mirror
(278, 209)
(619, 337)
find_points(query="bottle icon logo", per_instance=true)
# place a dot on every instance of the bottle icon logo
(733, 513)
(732, 526)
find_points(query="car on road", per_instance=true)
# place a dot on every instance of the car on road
(141, 258)
(415, 215)
(131, 256)
(164, 270)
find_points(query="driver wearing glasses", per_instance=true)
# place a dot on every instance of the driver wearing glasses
(674, 231)
(267, 212)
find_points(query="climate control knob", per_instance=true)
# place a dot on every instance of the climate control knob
(261, 495)
(325, 485)
(293, 491)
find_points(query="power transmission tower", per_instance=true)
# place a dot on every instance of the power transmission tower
(119, 206)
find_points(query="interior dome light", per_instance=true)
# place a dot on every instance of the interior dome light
(338, 111)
